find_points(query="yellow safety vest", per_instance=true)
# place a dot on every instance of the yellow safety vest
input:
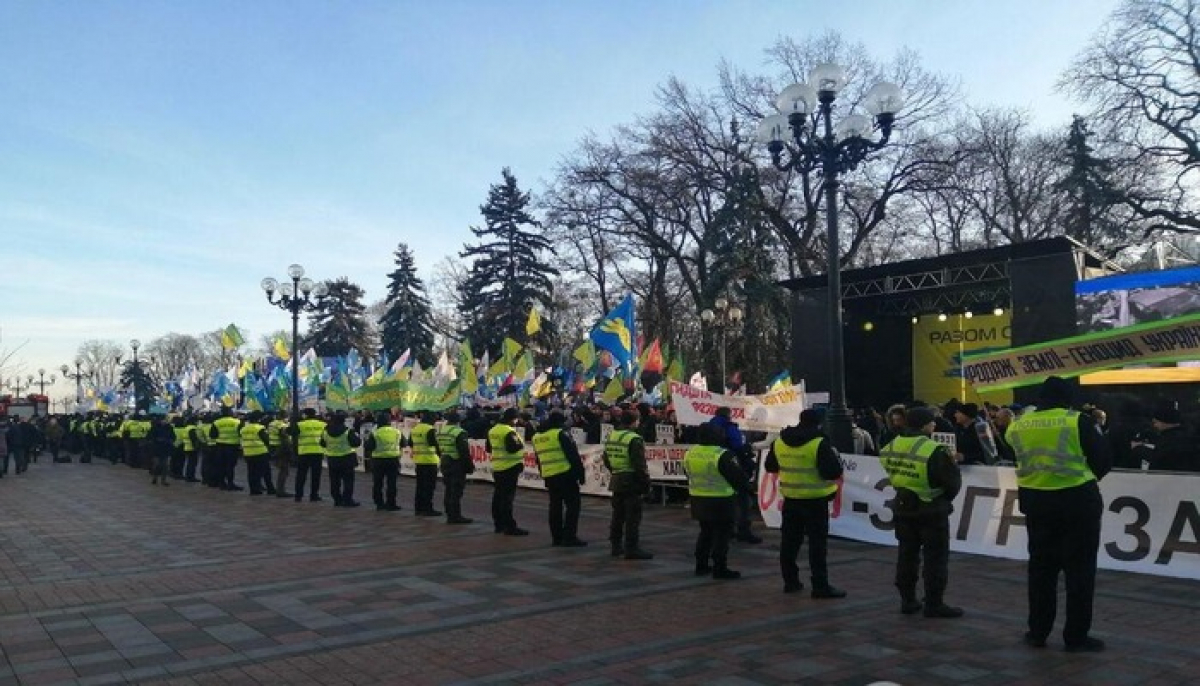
(309, 440)
(1049, 454)
(252, 444)
(275, 432)
(202, 433)
(447, 438)
(798, 475)
(551, 458)
(422, 452)
(183, 438)
(701, 462)
(616, 449)
(906, 460)
(227, 431)
(139, 429)
(337, 446)
(387, 443)
(502, 459)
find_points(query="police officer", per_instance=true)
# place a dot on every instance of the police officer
(715, 479)
(562, 471)
(508, 461)
(208, 451)
(1061, 456)
(382, 447)
(309, 455)
(339, 443)
(225, 434)
(279, 447)
(423, 442)
(625, 457)
(183, 462)
(808, 468)
(456, 465)
(926, 479)
(254, 439)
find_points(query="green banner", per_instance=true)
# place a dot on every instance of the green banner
(1171, 340)
(404, 395)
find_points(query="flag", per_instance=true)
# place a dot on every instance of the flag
(781, 380)
(444, 373)
(523, 368)
(280, 347)
(466, 369)
(613, 391)
(402, 361)
(586, 354)
(615, 333)
(231, 337)
(675, 369)
(534, 324)
(499, 368)
(652, 359)
(511, 350)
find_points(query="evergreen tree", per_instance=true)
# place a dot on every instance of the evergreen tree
(1090, 196)
(408, 321)
(143, 384)
(508, 274)
(340, 323)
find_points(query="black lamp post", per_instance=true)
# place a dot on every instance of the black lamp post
(805, 130)
(298, 296)
(42, 382)
(78, 376)
(724, 317)
(137, 376)
(14, 384)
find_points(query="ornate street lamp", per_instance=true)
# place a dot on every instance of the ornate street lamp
(78, 376)
(298, 296)
(137, 376)
(804, 129)
(42, 382)
(725, 318)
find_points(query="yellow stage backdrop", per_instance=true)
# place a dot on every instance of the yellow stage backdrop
(938, 348)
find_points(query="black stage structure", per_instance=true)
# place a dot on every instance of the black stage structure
(1034, 280)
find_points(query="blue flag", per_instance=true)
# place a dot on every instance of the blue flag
(615, 333)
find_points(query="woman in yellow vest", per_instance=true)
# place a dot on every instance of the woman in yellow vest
(926, 480)
(714, 481)
(808, 468)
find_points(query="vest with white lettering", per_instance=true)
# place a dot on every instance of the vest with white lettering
(447, 439)
(308, 440)
(502, 458)
(799, 478)
(616, 449)
(252, 444)
(906, 460)
(227, 431)
(387, 443)
(337, 446)
(422, 452)
(1049, 453)
(551, 459)
(702, 463)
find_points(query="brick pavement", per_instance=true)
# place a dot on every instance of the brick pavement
(105, 579)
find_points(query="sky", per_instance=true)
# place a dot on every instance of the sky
(157, 160)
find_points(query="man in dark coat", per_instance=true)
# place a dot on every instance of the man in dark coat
(1175, 449)
(714, 481)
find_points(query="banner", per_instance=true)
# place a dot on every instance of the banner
(408, 396)
(767, 412)
(1151, 522)
(1171, 340)
(938, 350)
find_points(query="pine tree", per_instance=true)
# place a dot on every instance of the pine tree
(408, 321)
(340, 322)
(508, 274)
(1089, 193)
(137, 378)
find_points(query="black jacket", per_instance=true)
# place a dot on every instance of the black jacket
(706, 509)
(829, 465)
(943, 473)
(1175, 450)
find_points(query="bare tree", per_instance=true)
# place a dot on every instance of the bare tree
(169, 355)
(101, 361)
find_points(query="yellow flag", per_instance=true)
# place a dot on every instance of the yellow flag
(534, 324)
(511, 350)
(280, 348)
(469, 379)
(613, 391)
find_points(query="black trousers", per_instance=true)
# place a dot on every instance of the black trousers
(454, 485)
(744, 504)
(565, 502)
(383, 472)
(228, 463)
(307, 464)
(177, 458)
(626, 524)
(503, 497)
(190, 459)
(209, 469)
(341, 479)
(427, 475)
(1064, 537)
(713, 544)
(258, 473)
(928, 536)
(805, 519)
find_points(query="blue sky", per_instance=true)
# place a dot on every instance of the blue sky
(158, 159)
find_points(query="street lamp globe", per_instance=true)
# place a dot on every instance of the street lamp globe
(269, 285)
(305, 286)
(707, 316)
(64, 369)
(135, 344)
(827, 78)
(854, 126)
(773, 129)
(295, 271)
(287, 290)
(721, 303)
(42, 372)
(735, 314)
(884, 98)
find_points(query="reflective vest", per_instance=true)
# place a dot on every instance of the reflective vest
(552, 461)
(798, 475)
(1049, 454)
(309, 440)
(202, 433)
(227, 431)
(447, 439)
(183, 438)
(387, 443)
(502, 459)
(616, 449)
(422, 452)
(704, 475)
(252, 444)
(139, 429)
(906, 460)
(337, 446)
(275, 432)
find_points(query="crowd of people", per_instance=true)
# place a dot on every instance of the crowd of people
(1059, 453)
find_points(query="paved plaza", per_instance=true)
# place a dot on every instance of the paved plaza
(106, 579)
